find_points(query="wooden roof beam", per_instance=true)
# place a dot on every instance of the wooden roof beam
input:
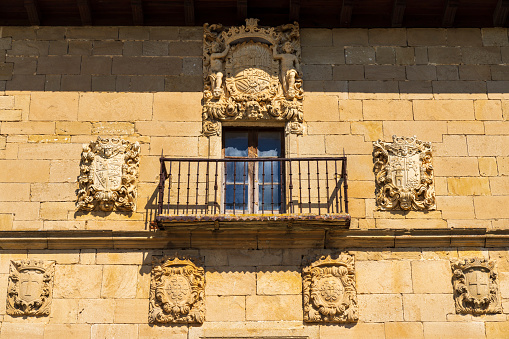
(32, 8)
(451, 6)
(137, 9)
(500, 13)
(189, 12)
(85, 12)
(398, 12)
(345, 18)
(241, 10)
(294, 10)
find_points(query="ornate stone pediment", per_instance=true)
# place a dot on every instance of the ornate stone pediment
(30, 287)
(109, 171)
(329, 291)
(404, 174)
(177, 289)
(252, 73)
(475, 286)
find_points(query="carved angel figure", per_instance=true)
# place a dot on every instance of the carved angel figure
(290, 67)
(216, 68)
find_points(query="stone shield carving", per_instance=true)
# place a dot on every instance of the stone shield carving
(329, 292)
(475, 286)
(177, 289)
(108, 175)
(30, 287)
(404, 174)
(252, 73)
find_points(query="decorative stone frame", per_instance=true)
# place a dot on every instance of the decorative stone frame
(329, 293)
(466, 274)
(404, 174)
(252, 74)
(177, 290)
(108, 175)
(30, 287)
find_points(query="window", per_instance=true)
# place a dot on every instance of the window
(252, 186)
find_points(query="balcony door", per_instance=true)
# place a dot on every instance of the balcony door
(253, 186)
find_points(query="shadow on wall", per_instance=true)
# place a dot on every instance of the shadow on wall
(169, 59)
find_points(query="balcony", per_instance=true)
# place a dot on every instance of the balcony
(252, 193)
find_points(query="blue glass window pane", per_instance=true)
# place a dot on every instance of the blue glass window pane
(271, 198)
(240, 168)
(269, 171)
(239, 197)
(235, 144)
(269, 144)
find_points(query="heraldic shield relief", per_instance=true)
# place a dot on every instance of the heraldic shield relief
(329, 290)
(252, 73)
(108, 174)
(475, 286)
(177, 289)
(404, 174)
(30, 287)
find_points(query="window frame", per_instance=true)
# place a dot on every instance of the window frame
(253, 203)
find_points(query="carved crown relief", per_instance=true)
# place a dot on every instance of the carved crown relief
(30, 287)
(329, 291)
(177, 289)
(252, 73)
(404, 174)
(475, 286)
(108, 175)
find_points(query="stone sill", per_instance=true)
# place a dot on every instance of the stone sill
(259, 239)
(252, 221)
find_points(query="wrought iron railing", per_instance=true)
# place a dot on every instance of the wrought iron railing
(264, 186)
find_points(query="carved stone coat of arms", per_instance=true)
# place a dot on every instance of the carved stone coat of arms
(404, 174)
(329, 292)
(30, 287)
(475, 286)
(177, 290)
(252, 73)
(109, 170)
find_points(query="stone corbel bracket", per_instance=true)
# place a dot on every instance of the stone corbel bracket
(252, 73)
(329, 293)
(108, 175)
(30, 287)
(475, 286)
(404, 174)
(177, 291)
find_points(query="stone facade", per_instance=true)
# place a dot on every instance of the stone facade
(61, 87)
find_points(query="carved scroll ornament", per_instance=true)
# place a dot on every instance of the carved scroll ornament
(252, 73)
(108, 175)
(177, 290)
(404, 174)
(329, 290)
(30, 287)
(475, 286)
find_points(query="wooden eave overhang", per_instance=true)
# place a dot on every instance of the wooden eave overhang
(259, 239)
(309, 13)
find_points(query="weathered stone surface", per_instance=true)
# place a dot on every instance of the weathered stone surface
(131, 311)
(120, 106)
(64, 311)
(357, 331)
(403, 330)
(431, 276)
(75, 331)
(119, 281)
(276, 307)
(454, 330)
(427, 307)
(242, 281)
(96, 311)
(383, 276)
(146, 331)
(380, 307)
(225, 308)
(77, 281)
(489, 207)
(468, 186)
(286, 280)
(498, 329)
(20, 330)
(114, 331)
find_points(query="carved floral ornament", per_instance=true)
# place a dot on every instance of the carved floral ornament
(177, 289)
(329, 291)
(30, 287)
(108, 175)
(475, 286)
(252, 73)
(404, 174)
